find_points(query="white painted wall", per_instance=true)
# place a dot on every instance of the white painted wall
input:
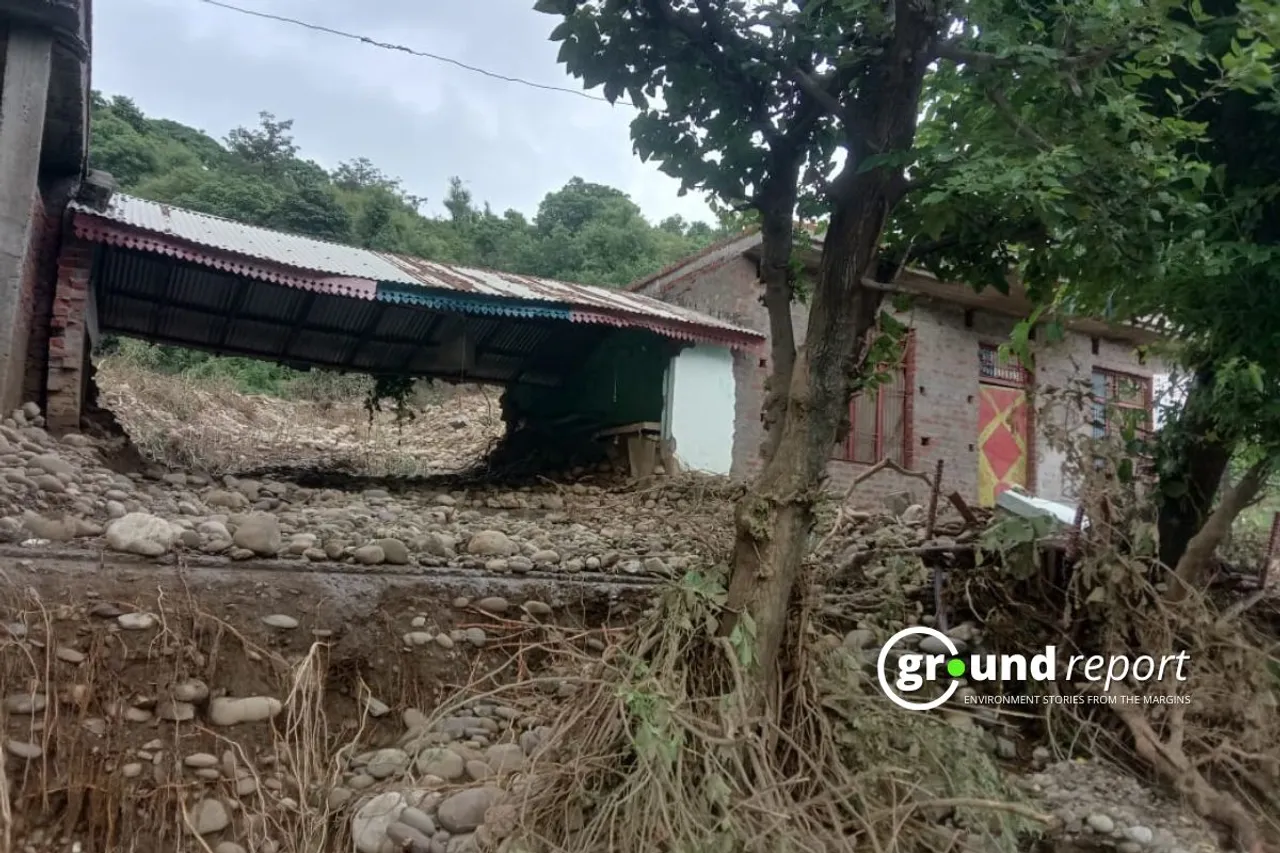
(700, 408)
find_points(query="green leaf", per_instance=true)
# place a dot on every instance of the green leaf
(553, 7)
(1255, 377)
(875, 161)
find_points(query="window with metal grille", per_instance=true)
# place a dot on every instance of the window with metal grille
(991, 368)
(878, 426)
(1120, 399)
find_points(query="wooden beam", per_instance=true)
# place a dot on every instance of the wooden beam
(315, 362)
(280, 322)
(429, 335)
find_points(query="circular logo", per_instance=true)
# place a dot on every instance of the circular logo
(887, 687)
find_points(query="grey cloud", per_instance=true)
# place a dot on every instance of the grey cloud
(417, 118)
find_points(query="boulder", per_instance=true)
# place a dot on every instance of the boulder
(464, 811)
(259, 533)
(140, 533)
(491, 543)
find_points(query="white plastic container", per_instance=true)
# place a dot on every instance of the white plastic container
(1020, 503)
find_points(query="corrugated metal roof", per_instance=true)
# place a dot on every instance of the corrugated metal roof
(214, 232)
(531, 289)
(144, 294)
(416, 294)
(351, 268)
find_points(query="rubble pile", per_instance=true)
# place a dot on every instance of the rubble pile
(62, 491)
(229, 712)
(158, 703)
(183, 424)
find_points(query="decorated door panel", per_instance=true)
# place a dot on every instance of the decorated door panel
(1002, 440)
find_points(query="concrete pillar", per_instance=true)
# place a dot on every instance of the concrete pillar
(23, 97)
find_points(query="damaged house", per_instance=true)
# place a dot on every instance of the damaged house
(582, 367)
(951, 399)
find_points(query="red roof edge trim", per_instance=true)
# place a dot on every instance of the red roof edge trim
(681, 331)
(101, 231)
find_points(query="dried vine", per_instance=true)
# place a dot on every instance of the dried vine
(397, 388)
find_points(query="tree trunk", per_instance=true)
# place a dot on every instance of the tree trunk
(1194, 455)
(774, 519)
(1193, 567)
(777, 208)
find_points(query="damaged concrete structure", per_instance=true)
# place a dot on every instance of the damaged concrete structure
(44, 119)
(578, 363)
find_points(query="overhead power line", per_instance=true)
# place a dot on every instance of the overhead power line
(402, 49)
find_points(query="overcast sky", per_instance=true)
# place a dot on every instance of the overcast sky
(415, 118)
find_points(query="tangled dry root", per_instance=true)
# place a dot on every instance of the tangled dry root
(660, 752)
(1214, 739)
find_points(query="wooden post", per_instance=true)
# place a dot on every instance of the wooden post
(939, 573)
(1073, 543)
(642, 454)
(940, 611)
(933, 501)
(1273, 545)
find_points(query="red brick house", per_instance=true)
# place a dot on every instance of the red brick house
(952, 399)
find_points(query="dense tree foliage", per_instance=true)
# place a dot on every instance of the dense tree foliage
(787, 106)
(1113, 155)
(1148, 193)
(584, 232)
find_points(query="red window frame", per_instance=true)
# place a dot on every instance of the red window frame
(1103, 423)
(847, 451)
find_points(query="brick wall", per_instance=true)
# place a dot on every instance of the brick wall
(940, 396)
(68, 339)
(37, 360)
(944, 382)
(1073, 360)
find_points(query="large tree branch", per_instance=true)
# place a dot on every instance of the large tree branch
(1194, 564)
(991, 230)
(954, 51)
(824, 92)
(1010, 113)
(820, 94)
